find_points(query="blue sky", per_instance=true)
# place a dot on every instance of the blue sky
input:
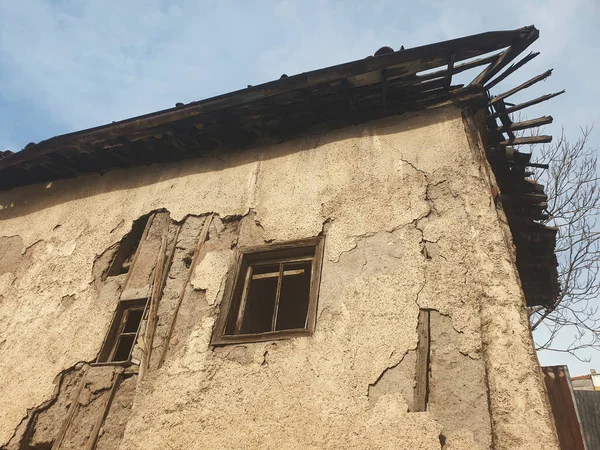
(66, 65)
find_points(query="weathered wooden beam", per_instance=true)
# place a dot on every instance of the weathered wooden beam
(538, 166)
(528, 83)
(52, 168)
(527, 197)
(524, 105)
(511, 69)
(65, 164)
(91, 443)
(73, 407)
(458, 68)
(542, 139)
(500, 107)
(422, 370)
(509, 54)
(411, 61)
(157, 286)
(201, 239)
(545, 120)
(448, 79)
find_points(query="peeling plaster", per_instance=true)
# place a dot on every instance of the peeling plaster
(409, 224)
(210, 274)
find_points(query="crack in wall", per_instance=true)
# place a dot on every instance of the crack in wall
(25, 430)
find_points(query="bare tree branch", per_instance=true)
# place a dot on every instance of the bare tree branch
(572, 184)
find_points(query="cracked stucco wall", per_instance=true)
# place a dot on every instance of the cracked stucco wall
(409, 224)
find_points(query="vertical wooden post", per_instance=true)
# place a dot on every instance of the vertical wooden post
(91, 444)
(201, 239)
(240, 316)
(72, 410)
(422, 372)
(277, 295)
(154, 299)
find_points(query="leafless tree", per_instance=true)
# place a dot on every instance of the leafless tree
(572, 185)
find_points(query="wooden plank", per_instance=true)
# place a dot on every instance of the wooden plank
(115, 343)
(448, 79)
(267, 262)
(524, 105)
(522, 86)
(286, 273)
(422, 371)
(538, 166)
(71, 413)
(458, 68)
(277, 296)
(281, 246)
(154, 299)
(500, 107)
(511, 69)
(261, 337)
(412, 60)
(542, 139)
(201, 238)
(315, 284)
(91, 444)
(538, 122)
(560, 396)
(240, 315)
(509, 54)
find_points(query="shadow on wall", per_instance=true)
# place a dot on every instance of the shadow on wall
(25, 200)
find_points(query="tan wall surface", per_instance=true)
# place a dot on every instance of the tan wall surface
(409, 224)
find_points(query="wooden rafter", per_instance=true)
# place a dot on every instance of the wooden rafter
(542, 139)
(540, 121)
(458, 68)
(448, 80)
(524, 105)
(525, 85)
(509, 54)
(511, 69)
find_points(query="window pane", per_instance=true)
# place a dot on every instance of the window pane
(123, 348)
(260, 302)
(293, 300)
(134, 317)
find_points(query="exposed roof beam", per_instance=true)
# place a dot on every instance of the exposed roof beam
(411, 61)
(542, 139)
(525, 85)
(524, 105)
(509, 54)
(511, 69)
(545, 120)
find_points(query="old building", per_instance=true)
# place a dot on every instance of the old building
(589, 382)
(336, 259)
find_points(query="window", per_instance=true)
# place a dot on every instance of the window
(274, 294)
(123, 331)
(127, 248)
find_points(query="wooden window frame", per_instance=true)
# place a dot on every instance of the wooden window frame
(111, 341)
(269, 254)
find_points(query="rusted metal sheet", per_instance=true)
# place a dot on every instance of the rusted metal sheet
(566, 417)
(588, 405)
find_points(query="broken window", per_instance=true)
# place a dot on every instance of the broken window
(127, 248)
(274, 294)
(123, 331)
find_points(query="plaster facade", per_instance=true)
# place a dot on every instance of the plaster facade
(404, 204)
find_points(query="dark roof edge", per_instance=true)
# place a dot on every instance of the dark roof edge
(490, 41)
